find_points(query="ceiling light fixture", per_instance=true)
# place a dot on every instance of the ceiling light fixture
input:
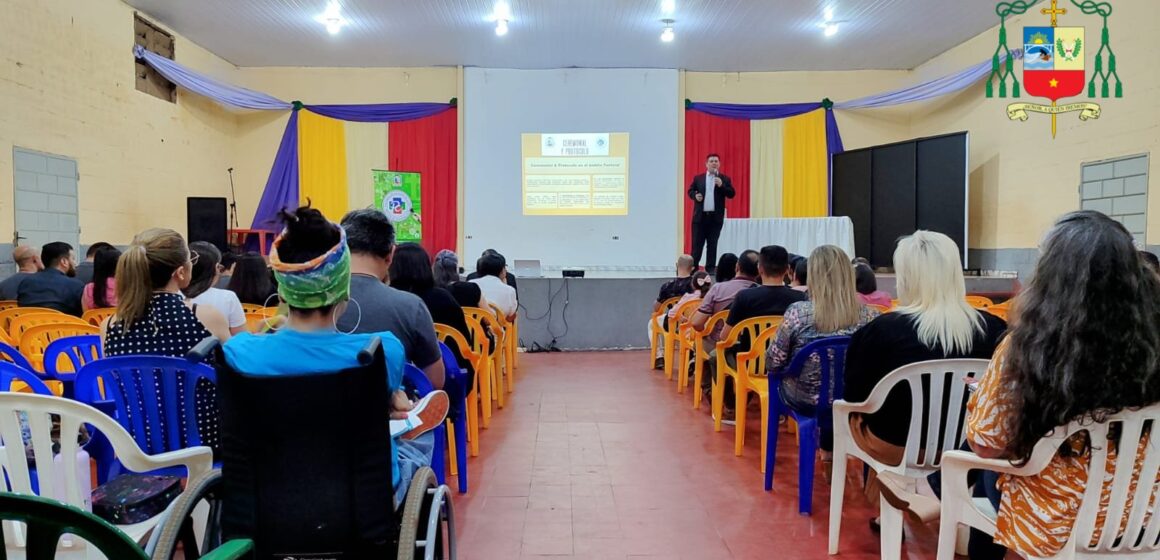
(332, 18)
(501, 14)
(668, 7)
(667, 34)
(830, 25)
(501, 27)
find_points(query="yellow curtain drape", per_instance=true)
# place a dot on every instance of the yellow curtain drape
(366, 150)
(765, 165)
(322, 164)
(805, 192)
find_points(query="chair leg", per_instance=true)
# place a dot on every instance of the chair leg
(740, 399)
(485, 384)
(764, 399)
(652, 344)
(461, 456)
(771, 439)
(948, 535)
(682, 375)
(807, 458)
(718, 399)
(500, 366)
(890, 520)
(452, 449)
(670, 355)
(439, 456)
(473, 422)
(698, 378)
(837, 493)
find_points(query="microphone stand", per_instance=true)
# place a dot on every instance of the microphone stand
(233, 206)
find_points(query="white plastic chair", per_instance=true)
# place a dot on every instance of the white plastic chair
(943, 379)
(197, 460)
(959, 507)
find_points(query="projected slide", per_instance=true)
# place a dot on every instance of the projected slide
(579, 174)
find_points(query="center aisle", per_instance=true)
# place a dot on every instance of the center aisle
(597, 457)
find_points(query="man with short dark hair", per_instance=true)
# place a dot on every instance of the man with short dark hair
(377, 307)
(85, 269)
(54, 287)
(27, 263)
(772, 297)
(492, 281)
(509, 277)
(709, 192)
(720, 296)
(229, 259)
(674, 288)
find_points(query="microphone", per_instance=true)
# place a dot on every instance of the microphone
(230, 170)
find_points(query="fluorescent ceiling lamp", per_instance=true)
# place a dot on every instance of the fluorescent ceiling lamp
(668, 7)
(501, 27)
(332, 18)
(667, 34)
(830, 29)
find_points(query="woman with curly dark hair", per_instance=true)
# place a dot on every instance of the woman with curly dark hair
(1085, 344)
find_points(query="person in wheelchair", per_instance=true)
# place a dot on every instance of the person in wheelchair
(311, 263)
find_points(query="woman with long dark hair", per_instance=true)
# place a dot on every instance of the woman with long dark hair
(1085, 344)
(726, 268)
(202, 291)
(102, 291)
(251, 280)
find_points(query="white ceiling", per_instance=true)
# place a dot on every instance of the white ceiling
(711, 35)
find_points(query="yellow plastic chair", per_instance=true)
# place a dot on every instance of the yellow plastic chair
(880, 308)
(894, 303)
(654, 327)
(745, 369)
(267, 311)
(455, 339)
(97, 316)
(251, 308)
(509, 346)
(671, 334)
(483, 372)
(8, 304)
(36, 339)
(22, 323)
(685, 336)
(979, 302)
(7, 314)
(259, 322)
(496, 369)
(698, 347)
(752, 378)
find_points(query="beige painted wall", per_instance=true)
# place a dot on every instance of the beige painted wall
(67, 88)
(1021, 179)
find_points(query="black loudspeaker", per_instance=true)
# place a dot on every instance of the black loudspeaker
(206, 220)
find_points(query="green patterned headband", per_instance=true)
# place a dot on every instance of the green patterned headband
(319, 282)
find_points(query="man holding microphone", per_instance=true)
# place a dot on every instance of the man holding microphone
(709, 192)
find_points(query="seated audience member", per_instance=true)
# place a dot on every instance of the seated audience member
(251, 281)
(509, 278)
(446, 271)
(801, 276)
(700, 286)
(1086, 345)
(867, 285)
(85, 269)
(312, 265)
(27, 263)
(410, 271)
(229, 260)
(726, 268)
(1151, 260)
(201, 290)
(720, 296)
(102, 291)
(493, 283)
(382, 308)
(54, 287)
(833, 309)
(152, 315)
(675, 288)
(932, 322)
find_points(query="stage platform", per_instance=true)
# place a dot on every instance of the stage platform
(611, 313)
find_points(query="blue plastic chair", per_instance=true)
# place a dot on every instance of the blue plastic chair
(8, 354)
(457, 391)
(80, 350)
(153, 398)
(415, 379)
(10, 373)
(831, 353)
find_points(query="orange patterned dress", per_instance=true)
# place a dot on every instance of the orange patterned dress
(1037, 513)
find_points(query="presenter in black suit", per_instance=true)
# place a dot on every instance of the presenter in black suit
(709, 192)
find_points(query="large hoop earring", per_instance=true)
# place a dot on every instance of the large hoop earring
(266, 321)
(357, 321)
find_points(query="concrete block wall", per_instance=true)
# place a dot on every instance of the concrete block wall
(1119, 188)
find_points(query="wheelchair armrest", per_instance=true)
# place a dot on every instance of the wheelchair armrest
(200, 354)
(236, 548)
(367, 354)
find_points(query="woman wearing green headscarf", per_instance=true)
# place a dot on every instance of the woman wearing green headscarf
(311, 263)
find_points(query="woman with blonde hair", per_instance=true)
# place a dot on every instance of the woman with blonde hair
(832, 310)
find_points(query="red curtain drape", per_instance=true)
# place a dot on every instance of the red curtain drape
(429, 146)
(729, 138)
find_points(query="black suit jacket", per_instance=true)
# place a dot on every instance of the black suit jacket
(719, 196)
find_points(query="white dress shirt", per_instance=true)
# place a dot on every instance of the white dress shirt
(497, 291)
(710, 200)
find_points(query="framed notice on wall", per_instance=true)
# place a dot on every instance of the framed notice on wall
(397, 194)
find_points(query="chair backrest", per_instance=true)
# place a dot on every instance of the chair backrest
(879, 308)
(684, 312)
(65, 356)
(154, 398)
(486, 318)
(445, 333)
(12, 373)
(6, 315)
(256, 321)
(456, 376)
(50, 519)
(97, 316)
(8, 304)
(34, 342)
(665, 305)
(11, 355)
(19, 325)
(830, 356)
(251, 308)
(1003, 313)
(979, 302)
(751, 330)
(938, 397)
(1130, 430)
(479, 343)
(499, 315)
(306, 461)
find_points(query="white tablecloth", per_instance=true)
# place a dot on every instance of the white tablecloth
(798, 235)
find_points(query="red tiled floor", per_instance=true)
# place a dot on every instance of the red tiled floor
(597, 457)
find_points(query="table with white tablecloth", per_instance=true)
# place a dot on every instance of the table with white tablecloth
(798, 235)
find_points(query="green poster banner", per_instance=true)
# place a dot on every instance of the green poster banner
(397, 195)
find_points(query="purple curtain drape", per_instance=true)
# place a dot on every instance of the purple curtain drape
(380, 112)
(282, 185)
(753, 112)
(219, 92)
(938, 87)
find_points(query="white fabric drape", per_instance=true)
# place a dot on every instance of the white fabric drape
(798, 235)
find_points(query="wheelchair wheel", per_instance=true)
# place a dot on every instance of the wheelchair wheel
(177, 527)
(428, 520)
